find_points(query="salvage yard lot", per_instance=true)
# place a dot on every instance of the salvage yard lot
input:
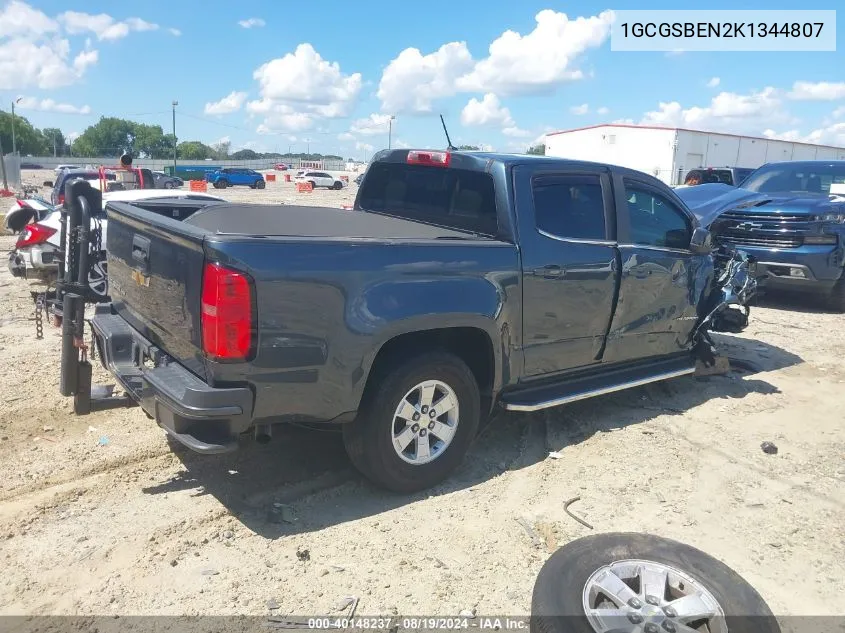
(100, 515)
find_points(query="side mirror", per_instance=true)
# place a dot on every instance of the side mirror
(48, 183)
(701, 242)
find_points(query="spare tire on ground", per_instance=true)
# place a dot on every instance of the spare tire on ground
(639, 582)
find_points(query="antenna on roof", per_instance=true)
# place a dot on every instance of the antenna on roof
(449, 146)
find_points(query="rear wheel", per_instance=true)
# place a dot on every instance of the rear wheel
(170, 185)
(259, 184)
(837, 295)
(337, 185)
(313, 185)
(416, 423)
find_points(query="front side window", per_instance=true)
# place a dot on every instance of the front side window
(656, 221)
(569, 206)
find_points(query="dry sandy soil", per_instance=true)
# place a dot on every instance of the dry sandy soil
(100, 515)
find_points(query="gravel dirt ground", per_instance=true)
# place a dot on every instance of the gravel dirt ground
(101, 515)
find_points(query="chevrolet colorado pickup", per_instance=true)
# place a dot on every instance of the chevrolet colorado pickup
(790, 217)
(458, 282)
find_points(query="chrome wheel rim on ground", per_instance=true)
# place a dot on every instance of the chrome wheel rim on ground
(649, 597)
(425, 422)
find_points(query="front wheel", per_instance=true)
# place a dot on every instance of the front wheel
(221, 184)
(170, 185)
(337, 185)
(837, 295)
(416, 423)
(313, 185)
(259, 184)
(633, 582)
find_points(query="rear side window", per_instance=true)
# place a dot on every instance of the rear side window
(455, 198)
(569, 206)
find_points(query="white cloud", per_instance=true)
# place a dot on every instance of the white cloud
(222, 139)
(580, 110)
(18, 19)
(543, 58)
(371, 125)
(48, 105)
(819, 91)
(839, 113)
(232, 102)
(252, 23)
(400, 144)
(300, 88)
(603, 110)
(25, 63)
(174, 32)
(72, 136)
(104, 26)
(833, 134)
(488, 111)
(345, 137)
(516, 132)
(364, 146)
(413, 81)
(516, 64)
(727, 111)
(714, 82)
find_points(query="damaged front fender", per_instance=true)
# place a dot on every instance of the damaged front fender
(726, 307)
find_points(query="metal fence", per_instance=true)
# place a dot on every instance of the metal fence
(51, 162)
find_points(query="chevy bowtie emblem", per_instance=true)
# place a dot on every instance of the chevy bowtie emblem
(748, 226)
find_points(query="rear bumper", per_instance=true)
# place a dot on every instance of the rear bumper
(203, 418)
(808, 268)
(33, 263)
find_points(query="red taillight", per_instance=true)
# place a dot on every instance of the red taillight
(435, 159)
(33, 234)
(22, 204)
(227, 324)
(61, 198)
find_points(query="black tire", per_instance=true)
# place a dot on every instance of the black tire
(313, 185)
(222, 183)
(170, 185)
(367, 438)
(259, 184)
(836, 301)
(557, 603)
(337, 185)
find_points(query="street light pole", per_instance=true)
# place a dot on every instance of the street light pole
(390, 131)
(14, 144)
(175, 103)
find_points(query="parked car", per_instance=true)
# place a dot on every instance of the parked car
(280, 167)
(359, 178)
(726, 175)
(34, 256)
(791, 217)
(320, 179)
(57, 197)
(60, 168)
(31, 166)
(459, 281)
(25, 210)
(230, 176)
(165, 181)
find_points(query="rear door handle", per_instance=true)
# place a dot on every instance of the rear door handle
(552, 271)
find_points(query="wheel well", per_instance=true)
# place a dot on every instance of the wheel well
(472, 345)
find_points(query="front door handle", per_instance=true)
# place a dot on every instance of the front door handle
(552, 271)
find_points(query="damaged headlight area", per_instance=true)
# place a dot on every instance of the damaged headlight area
(726, 306)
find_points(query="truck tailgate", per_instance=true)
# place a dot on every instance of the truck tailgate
(155, 280)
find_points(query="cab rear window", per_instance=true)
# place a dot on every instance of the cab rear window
(454, 198)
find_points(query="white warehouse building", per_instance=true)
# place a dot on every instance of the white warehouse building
(669, 153)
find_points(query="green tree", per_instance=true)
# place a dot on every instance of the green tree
(54, 140)
(28, 140)
(221, 150)
(193, 150)
(110, 136)
(538, 150)
(245, 154)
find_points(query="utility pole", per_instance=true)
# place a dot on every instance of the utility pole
(175, 103)
(14, 144)
(390, 130)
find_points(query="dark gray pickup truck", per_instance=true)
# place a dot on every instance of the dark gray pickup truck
(458, 282)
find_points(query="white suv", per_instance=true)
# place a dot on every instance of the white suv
(320, 179)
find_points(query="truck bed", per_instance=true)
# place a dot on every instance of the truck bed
(319, 222)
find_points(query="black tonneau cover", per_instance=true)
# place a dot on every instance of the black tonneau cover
(296, 221)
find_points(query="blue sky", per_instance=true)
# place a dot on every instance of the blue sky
(329, 77)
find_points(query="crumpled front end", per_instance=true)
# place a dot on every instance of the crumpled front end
(726, 305)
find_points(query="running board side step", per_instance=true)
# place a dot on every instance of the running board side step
(593, 384)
